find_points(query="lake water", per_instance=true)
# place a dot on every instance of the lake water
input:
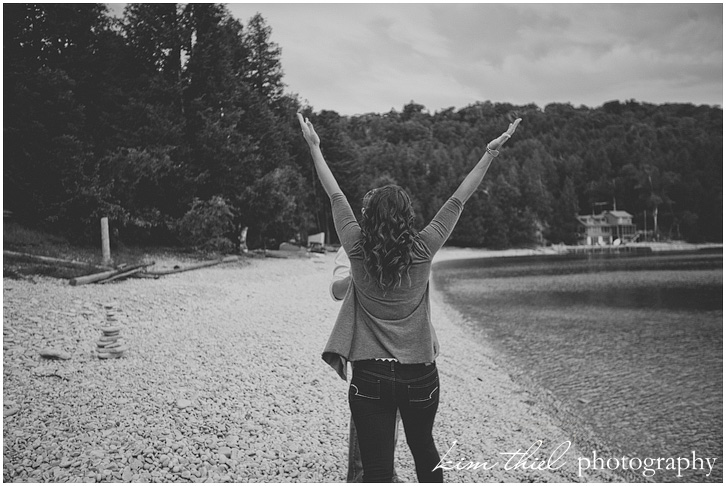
(632, 345)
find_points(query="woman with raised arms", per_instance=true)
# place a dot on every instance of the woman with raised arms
(384, 326)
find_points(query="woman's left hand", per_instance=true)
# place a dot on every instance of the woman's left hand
(308, 131)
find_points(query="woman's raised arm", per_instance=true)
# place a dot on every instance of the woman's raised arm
(321, 167)
(472, 181)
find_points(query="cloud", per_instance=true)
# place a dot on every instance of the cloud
(358, 58)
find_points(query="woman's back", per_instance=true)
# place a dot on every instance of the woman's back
(397, 302)
(387, 322)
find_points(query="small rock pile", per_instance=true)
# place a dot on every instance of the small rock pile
(111, 345)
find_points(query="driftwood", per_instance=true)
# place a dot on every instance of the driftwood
(144, 275)
(50, 260)
(86, 279)
(97, 277)
(195, 266)
(125, 274)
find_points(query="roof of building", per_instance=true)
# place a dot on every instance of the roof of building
(601, 219)
(620, 214)
(589, 220)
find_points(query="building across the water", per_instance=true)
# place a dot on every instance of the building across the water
(606, 228)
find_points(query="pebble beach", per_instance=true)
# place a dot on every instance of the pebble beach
(222, 381)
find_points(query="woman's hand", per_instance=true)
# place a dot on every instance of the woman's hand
(308, 131)
(321, 167)
(499, 141)
(474, 178)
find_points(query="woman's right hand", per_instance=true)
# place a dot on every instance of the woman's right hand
(308, 131)
(499, 141)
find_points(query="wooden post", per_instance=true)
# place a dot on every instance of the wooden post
(105, 245)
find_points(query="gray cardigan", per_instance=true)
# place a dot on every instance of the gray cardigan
(392, 324)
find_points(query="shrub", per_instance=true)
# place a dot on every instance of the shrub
(207, 225)
(219, 244)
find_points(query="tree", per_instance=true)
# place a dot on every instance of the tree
(263, 67)
(564, 225)
(159, 33)
(49, 169)
(135, 120)
(238, 143)
(653, 188)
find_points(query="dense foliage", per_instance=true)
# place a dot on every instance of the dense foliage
(177, 113)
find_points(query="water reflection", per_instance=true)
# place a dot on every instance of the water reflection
(634, 344)
(703, 298)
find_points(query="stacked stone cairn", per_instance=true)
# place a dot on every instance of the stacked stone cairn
(111, 345)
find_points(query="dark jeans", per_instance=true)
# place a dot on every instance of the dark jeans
(355, 464)
(377, 390)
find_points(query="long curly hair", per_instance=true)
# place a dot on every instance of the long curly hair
(388, 235)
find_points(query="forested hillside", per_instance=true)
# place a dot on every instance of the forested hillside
(175, 123)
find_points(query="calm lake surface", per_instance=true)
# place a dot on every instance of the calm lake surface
(632, 344)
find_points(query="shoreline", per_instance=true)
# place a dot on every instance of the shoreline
(448, 253)
(224, 381)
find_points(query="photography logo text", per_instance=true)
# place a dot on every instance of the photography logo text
(536, 459)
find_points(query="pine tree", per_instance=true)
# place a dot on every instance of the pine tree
(263, 70)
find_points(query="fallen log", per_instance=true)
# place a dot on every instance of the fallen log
(86, 279)
(46, 259)
(96, 277)
(144, 275)
(195, 266)
(125, 274)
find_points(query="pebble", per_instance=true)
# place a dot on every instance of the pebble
(52, 353)
(183, 403)
(199, 369)
(7, 412)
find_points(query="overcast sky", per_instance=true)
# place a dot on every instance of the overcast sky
(360, 58)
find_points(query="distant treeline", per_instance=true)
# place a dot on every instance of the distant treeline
(174, 123)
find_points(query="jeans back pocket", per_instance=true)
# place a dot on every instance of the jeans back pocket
(423, 395)
(364, 388)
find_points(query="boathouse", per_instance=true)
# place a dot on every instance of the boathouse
(606, 228)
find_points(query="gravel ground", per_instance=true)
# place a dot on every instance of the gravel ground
(223, 381)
